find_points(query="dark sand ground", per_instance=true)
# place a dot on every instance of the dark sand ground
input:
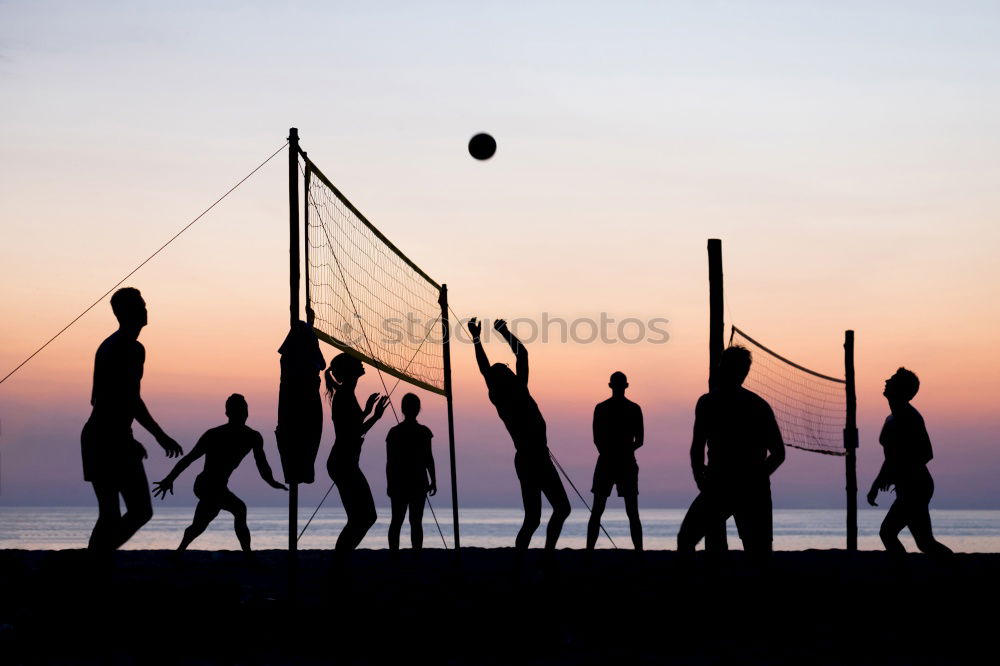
(813, 607)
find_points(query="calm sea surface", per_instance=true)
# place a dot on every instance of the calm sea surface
(69, 527)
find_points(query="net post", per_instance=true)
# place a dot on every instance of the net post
(851, 443)
(293, 304)
(446, 353)
(310, 314)
(716, 324)
(715, 539)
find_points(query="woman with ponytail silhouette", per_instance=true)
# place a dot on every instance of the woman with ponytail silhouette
(350, 426)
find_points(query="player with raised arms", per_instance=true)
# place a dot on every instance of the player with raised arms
(343, 465)
(224, 448)
(508, 391)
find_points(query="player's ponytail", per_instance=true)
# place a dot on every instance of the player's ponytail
(331, 384)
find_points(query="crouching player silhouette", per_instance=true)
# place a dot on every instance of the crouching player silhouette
(224, 448)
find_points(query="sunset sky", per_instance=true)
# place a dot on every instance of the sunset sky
(846, 153)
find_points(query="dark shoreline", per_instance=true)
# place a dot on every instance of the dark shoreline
(825, 607)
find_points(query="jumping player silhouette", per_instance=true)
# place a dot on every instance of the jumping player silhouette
(409, 463)
(508, 391)
(618, 433)
(224, 448)
(907, 449)
(744, 449)
(112, 458)
(350, 427)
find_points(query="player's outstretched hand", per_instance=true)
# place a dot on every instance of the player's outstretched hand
(501, 326)
(172, 448)
(872, 496)
(380, 406)
(370, 404)
(161, 488)
(277, 485)
(433, 490)
(475, 328)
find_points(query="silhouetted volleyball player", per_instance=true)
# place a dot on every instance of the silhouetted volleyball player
(617, 434)
(744, 448)
(112, 458)
(409, 463)
(224, 448)
(508, 391)
(907, 449)
(350, 426)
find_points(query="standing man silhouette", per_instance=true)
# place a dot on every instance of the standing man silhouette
(508, 391)
(409, 463)
(907, 449)
(112, 458)
(617, 434)
(224, 448)
(744, 449)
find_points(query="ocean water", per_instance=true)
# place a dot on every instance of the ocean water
(794, 529)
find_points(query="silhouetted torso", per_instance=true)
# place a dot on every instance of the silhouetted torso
(617, 424)
(118, 367)
(107, 438)
(739, 426)
(348, 420)
(907, 446)
(408, 452)
(225, 448)
(520, 414)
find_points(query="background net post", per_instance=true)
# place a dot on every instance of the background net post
(716, 539)
(446, 330)
(851, 442)
(716, 324)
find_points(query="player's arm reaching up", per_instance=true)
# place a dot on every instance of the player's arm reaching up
(260, 458)
(161, 488)
(475, 330)
(520, 351)
(379, 409)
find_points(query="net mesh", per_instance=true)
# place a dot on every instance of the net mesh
(365, 295)
(810, 408)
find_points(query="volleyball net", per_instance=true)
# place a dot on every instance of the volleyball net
(364, 296)
(810, 407)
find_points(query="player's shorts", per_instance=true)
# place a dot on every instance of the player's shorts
(610, 472)
(108, 452)
(535, 470)
(408, 489)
